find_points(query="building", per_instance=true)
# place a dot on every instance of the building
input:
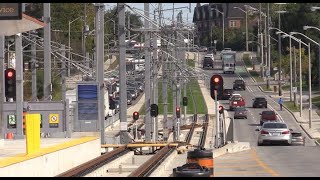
(205, 17)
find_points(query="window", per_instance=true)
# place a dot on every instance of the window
(232, 23)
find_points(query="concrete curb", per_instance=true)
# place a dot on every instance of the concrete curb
(285, 107)
(231, 148)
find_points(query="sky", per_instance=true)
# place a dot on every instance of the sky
(168, 14)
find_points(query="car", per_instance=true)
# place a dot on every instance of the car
(207, 62)
(235, 102)
(268, 116)
(234, 95)
(274, 132)
(240, 113)
(259, 102)
(210, 56)
(227, 93)
(297, 139)
(239, 84)
(203, 49)
(129, 99)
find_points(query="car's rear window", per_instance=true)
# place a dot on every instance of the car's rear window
(238, 82)
(274, 125)
(296, 134)
(237, 98)
(240, 109)
(268, 113)
(260, 99)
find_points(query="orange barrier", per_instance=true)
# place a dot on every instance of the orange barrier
(9, 136)
(203, 158)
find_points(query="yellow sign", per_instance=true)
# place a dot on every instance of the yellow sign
(54, 119)
(33, 133)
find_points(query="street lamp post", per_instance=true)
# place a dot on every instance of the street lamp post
(312, 27)
(222, 25)
(310, 98)
(300, 67)
(69, 52)
(245, 11)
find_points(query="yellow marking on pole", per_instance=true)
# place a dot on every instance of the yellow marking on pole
(262, 164)
(33, 133)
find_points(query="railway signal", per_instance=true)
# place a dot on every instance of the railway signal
(185, 101)
(216, 85)
(135, 115)
(178, 112)
(154, 110)
(10, 83)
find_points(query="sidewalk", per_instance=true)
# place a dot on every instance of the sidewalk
(303, 121)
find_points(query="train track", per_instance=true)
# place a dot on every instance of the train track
(95, 163)
(204, 132)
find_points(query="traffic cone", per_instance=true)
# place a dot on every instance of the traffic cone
(9, 135)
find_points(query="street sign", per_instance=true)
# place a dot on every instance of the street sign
(294, 89)
(54, 120)
(10, 11)
(12, 119)
(268, 73)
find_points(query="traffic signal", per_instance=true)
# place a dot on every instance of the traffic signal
(178, 112)
(135, 115)
(154, 110)
(10, 83)
(216, 83)
(221, 109)
(185, 101)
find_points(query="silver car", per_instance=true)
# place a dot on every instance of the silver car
(274, 132)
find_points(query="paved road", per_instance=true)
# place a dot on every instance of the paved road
(274, 160)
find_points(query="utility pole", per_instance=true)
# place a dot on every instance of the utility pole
(155, 76)
(279, 49)
(1, 88)
(268, 46)
(164, 83)
(295, 77)
(47, 86)
(148, 122)
(122, 71)
(99, 34)
(84, 31)
(19, 86)
(33, 68)
(64, 73)
(128, 27)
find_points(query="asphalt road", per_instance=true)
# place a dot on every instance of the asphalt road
(274, 160)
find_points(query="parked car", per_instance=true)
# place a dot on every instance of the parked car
(239, 84)
(297, 139)
(235, 102)
(274, 132)
(227, 94)
(240, 113)
(268, 116)
(203, 49)
(129, 99)
(259, 102)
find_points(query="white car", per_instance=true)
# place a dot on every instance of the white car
(235, 94)
(210, 55)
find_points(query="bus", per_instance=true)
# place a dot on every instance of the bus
(228, 62)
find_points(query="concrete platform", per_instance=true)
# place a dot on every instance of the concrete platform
(55, 156)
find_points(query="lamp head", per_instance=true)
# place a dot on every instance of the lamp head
(306, 27)
(292, 33)
(278, 32)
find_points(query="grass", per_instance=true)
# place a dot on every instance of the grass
(264, 87)
(291, 107)
(191, 62)
(201, 107)
(114, 64)
(256, 75)
(318, 140)
(246, 60)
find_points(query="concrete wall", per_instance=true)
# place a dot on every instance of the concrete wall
(54, 163)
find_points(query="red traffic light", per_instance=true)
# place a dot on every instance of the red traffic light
(177, 109)
(135, 115)
(10, 74)
(216, 80)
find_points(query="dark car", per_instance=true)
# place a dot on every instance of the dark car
(297, 139)
(268, 116)
(227, 94)
(239, 84)
(129, 99)
(259, 102)
(207, 62)
(240, 113)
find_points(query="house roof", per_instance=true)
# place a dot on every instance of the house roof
(202, 13)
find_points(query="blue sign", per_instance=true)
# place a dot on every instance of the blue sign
(87, 101)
